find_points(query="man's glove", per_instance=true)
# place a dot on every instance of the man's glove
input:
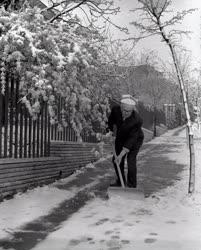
(109, 137)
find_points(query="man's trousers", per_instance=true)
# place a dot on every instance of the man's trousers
(132, 169)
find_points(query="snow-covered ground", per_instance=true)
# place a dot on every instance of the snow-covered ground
(25, 207)
(170, 220)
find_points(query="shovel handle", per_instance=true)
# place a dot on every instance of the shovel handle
(118, 167)
(119, 173)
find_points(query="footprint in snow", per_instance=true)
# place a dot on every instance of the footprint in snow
(170, 222)
(150, 240)
(92, 242)
(89, 238)
(101, 241)
(143, 211)
(116, 220)
(100, 222)
(108, 232)
(153, 234)
(74, 242)
(113, 244)
(115, 237)
(125, 241)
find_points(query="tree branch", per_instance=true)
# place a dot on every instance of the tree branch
(67, 11)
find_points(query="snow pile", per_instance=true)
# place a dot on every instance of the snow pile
(90, 165)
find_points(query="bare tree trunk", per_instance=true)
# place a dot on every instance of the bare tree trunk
(191, 187)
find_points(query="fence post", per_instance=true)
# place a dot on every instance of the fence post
(41, 131)
(1, 119)
(11, 117)
(16, 116)
(34, 139)
(25, 132)
(21, 130)
(6, 117)
(30, 136)
(38, 136)
(49, 135)
(46, 127)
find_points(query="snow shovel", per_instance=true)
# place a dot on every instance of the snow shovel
(123, 191)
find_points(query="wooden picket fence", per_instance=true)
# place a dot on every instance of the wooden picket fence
(21, 136)
(66, 133)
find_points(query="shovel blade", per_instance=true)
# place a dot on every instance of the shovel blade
(126, 193)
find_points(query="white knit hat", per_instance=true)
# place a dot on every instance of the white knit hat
(128, 100)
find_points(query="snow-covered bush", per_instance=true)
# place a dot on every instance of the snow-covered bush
(51, 60)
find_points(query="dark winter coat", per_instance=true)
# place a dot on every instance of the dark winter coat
(115, 119)
(129, 132)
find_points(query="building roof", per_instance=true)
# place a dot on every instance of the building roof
(49, 14)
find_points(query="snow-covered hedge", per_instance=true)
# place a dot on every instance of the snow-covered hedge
(54, 59)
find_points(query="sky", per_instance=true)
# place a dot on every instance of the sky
(191, 22)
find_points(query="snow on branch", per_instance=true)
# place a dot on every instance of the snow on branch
(178, 17)
(92, 10)
(153, 21)
(67, 10)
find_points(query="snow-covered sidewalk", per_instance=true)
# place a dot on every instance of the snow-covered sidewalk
(167, 219)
